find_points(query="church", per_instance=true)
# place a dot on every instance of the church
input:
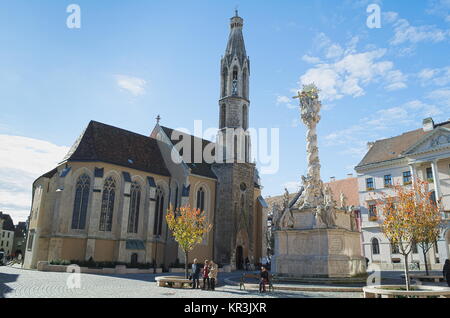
(107, 199)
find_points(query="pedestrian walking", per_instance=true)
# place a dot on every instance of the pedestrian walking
(264, 279)
(205, 275)
(195, 272)
(213, 271)
(446, 272)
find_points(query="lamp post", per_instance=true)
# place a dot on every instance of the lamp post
(156, 254)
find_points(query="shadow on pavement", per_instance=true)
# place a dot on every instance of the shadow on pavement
(4, 279)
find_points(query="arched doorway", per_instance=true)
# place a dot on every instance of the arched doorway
(239, 258)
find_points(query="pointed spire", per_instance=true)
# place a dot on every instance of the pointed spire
(236, 45)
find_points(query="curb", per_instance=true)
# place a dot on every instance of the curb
(301, 288)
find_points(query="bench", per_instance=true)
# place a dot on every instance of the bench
(255, 276)
(394, 291)
(425, 278)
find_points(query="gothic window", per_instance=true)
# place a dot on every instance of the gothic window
(80, 204)
(224, 82)
(245, 117)
(223, 115)
(235, 81)
(108, 197)
(201, 199)
(159, 211)
(245, 84)
(135, 200)
(375, 246)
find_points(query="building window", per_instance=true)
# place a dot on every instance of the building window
(159, 211)
(201, 199)
(30, 240)
(80, 204)
(107, 210)
(135, 202)
(415, 250)
(375, 246)
(387, 181)
(395, 248)
(370, 184)
(430, 175)
(373, 213)
(407, 177)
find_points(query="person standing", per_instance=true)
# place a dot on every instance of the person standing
(196, 268)
(205, 275)
(264, 279)
(213, 270)
(446, 272)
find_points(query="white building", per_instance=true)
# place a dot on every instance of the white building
(6, 234)
(422, 153)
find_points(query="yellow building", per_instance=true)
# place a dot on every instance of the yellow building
(108, 198)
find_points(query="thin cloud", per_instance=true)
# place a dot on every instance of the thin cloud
(134, 85)
(22, 160)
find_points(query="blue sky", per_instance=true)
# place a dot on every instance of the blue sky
(133, 60)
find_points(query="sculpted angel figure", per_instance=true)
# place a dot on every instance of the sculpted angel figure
(343, 201)
(287, 219)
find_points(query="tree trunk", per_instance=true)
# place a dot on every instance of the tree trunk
(186, 265)
(426, 260)
(407, 272)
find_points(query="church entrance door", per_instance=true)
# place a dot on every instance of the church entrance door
(239, 258)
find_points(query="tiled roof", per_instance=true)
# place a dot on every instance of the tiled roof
(349, 187)
(393, 148)
(105, 143)
(201, 169)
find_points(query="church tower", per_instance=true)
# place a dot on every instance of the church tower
(234, 97)
(234, 226)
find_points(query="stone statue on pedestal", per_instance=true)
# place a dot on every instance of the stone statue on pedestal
(315, 235)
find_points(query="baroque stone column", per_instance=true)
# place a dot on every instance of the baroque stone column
(310, 107)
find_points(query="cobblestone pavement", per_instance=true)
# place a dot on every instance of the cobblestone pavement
(19, 283)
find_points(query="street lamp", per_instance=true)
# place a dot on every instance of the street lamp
(156, 254)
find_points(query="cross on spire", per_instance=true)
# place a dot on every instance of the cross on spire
(236, 11)
(298, 96)
(158, 119)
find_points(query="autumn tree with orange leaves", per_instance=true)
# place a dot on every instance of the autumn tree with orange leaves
(188, 228)
(409, 217)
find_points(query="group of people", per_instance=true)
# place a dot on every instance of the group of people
(208, 272)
